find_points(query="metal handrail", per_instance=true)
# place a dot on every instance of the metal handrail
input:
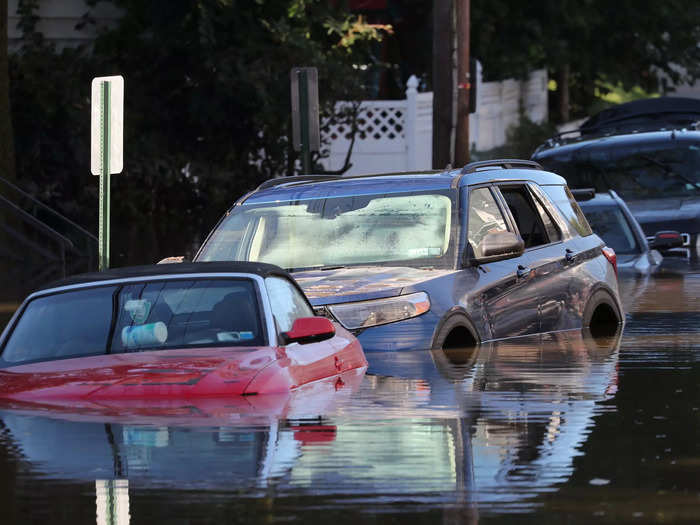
(28, 217)
(47, 208)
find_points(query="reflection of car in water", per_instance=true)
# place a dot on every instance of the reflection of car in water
(499, 425)
(227, 442)
(539, 402)
(171, 331)
(502, 423)
(430, 260)
(649, 153)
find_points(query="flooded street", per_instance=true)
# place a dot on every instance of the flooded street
(545, 429)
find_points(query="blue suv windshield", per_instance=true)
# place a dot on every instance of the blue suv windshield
(413, 228)
(633, 171)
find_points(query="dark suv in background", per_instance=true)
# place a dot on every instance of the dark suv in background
(432, 259)
(648, 152)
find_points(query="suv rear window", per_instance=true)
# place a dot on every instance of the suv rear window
(613, 228)
(562, 198)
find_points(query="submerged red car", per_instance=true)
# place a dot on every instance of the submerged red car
(164, 331)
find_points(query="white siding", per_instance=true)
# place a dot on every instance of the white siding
(58, 18)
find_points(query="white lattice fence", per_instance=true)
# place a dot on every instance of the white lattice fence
(392, 135)
(380, 140)
(396, 135)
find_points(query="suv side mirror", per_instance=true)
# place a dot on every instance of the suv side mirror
(499, 245)
(666, 240)
(309, 330)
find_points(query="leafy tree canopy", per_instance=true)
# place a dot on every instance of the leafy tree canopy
(207, 109)
(625, 42)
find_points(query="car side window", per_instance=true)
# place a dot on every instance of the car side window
(527, 217)
(484, 217)
(565, 202)
(549, 225)
(286, 302)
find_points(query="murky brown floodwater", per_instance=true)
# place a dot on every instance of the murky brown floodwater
(549, 429)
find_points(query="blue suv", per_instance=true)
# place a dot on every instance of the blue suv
(443, 259)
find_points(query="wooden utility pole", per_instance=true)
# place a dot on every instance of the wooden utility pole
(442, 82)
(563, 87)
(7, 152)
(463, 83)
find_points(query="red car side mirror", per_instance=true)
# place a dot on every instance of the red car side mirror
(309, 330)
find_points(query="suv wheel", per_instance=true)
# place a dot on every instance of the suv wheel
(456, 332)
(602, 315)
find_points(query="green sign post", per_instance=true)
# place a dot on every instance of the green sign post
(106, 149)
(103, 234)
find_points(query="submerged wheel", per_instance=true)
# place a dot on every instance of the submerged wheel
(602, 315)
(456, 332)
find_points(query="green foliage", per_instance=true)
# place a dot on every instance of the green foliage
(207, 110)
(521, 141)
(608, 94)
(627, 42)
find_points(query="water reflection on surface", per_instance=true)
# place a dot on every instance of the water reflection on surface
(554, 427)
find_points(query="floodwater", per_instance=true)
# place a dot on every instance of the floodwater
(559, 428)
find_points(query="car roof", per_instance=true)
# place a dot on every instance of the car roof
(319, 186)
(155, 270)
(554, 148)
(645, 114)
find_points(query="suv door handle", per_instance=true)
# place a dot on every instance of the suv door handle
(523, 271)
(570, 255)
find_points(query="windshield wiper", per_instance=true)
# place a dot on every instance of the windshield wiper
(311, 268)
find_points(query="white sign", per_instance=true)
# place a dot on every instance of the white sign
(116, 124)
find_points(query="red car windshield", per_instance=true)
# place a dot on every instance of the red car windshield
(132, 317)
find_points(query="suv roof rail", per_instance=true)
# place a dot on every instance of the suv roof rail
(277, 181)
(500, 163)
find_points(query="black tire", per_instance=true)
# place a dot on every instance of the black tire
(456, 332)
(602, 315)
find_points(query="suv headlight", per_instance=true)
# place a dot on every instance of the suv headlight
(380, 311)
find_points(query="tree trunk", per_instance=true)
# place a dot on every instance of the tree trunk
(563, 87)
(7, 153)
(442, 83)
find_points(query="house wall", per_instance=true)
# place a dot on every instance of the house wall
(58, 18)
